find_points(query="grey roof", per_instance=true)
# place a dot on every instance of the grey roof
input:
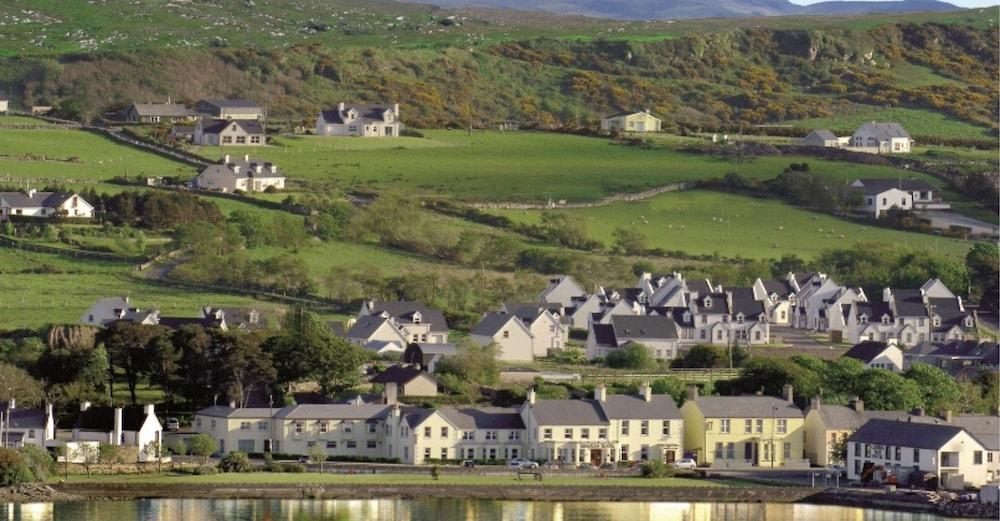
(739, 292)
(720, 304)
(528, 313)
(398, 374)
(334, 412)
(403, 312)
(247, 168)
(847, 418)
(230, 103)
(909, 303)
(223, 411)
(621, 406)
(778, 287)
(949, 311)
(639, 327)
(623, 114)
(365, 326)
(568, 412)
(492, 323)
(417, 416)
(169, 110)
(883, 131)
(25, 418)
(905, 433)
(469, 418)
(250, 126)
(365, 113)
(874, 309)
(179, 322)
(749, 307)
(986, 429)
(866, 351)
(749, 406)
(876, 186)
(699, 286)
(824, 134)
(38, 200)
(604, 335)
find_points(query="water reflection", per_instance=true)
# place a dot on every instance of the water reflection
(437, 510)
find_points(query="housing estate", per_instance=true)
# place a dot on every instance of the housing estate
(642, 121)
(229, 109)
(157, 113)
(359, 120)
(44, 204)
(240, 173)
(744, 431)
(911, 316)
(226, 132)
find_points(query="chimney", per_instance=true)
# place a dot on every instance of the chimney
(815, 403)
(531, 396)
(225, 159)
(947, 415)
(116, 434)
(600, 392)
(236, 169)
(32, 192)
(274, 169)
(232, 404)
(12, 404)
(50, 422)
(395, 109)
(84, 406)
(646, 391)
(858, 404)
(391, 393)
(692, 392)
(150, 409)
(340, 108)
(395, 410)
(787, 392)
(260, 169)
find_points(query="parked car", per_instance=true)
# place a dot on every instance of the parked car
(518, 463)
(173, 424)
(469, 464)
(685, 463)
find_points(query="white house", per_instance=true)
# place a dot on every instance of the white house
(879, 195)
(547, 330)
(641, 121)
(240, 173)
(359, 120)
(881, 448)
(660, 335)
(223, 132)
(821, 138)
(417, 322)
(509, 333)
(878, 355)
(21, 427)
(107, 310)
(562, 290)
(882, 138)
(44, 204)
(4, 105)
(130, 426)
(229, 109)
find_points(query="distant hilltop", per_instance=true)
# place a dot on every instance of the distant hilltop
(678, 9)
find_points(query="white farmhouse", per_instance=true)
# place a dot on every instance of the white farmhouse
(44, 204)
(878, 355)
(130, 426)
(882, 138)
(245, 173)
(880, 195)
(359, 120)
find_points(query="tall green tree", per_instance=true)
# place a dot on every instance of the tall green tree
(128, 345)
(885, 390)
(983, 263)
(940, 390)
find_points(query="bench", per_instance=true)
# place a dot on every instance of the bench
(537, 474)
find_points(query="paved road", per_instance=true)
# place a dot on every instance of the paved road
(795, 337)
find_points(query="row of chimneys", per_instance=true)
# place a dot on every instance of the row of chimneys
(601, 393)
(117, 429)
(259, 168)
(787, 392)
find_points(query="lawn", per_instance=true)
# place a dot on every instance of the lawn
(705, 222)
(917, 122)
(38, 289)
(514, 166)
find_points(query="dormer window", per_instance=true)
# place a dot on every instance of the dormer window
(774, 297)
(863, 319)
(791, 299)
(739, 318)
(687, 316)
(886, 320)
(936, 320)
(968, 321)
(417, 317)
(708, 302)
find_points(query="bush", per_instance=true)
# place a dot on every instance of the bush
(292, 468)
(178, 447)
(235, 462)
(13, 469)
(655, 469)
(204, 470)
(39, 461)
(635, 356)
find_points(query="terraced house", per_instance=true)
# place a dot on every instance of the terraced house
(911, 316)
(459, 433)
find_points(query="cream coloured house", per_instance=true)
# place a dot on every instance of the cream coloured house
(240, 173)
(641, 121)
(511, 336)
(460, 433)
(882, 138)
(223, 132)
(359, 120)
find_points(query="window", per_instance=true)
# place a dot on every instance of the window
(444, 453)
(468, 435)
(371, 428)
(602, 434)
(989, 457)
(427, 432)
(444, 432)
(857, 450)
(644, 428)
(493, 454)
(547, 434)
(747, 426)
(731, 450)
(299, 427)
(351, 444)
(244, 426)
(213, 425)
(916, 455)
(748, 451)
(584, 434)
(782, 426)
(427, 452)
(767, 452)
(666, 428)
(241, 140)
(331, 445)
(899, 453)
(724, 426)
(624, 453)
(625, 426)
(760, 426)
(719, 447)
(262, 425)
(514, 435)
(568, 434)
(254, 140)
(787, 451)
(372, 444)
(322, 426)
(643, 452)
(31, 433)
(471, 454)
(348, 427)
(977, 457)
(227, 140)
(491, 435)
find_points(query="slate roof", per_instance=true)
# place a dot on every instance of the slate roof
(25, 418)
(883, 131)
(874, 309)
(720, 304)
(905, 433)
(876, 186)
(846, 418)
(748, 406)
(866, 351)
(103, 419)
(986, 429)
(250, 126)
(528, 313)
(397, 374)
(751, 309)
(823, 134)
(168, 110)
(739, 292)
(403, 312)
(335, 411)
(230, 103)
(470, 418)
(623, 406)
(949, 311)
(223, 411)
(623, 114)
(568, 412)
(365, 326)
(604, 335)
(179, 322)
(779, 287)
(909, 303)
(39, 200)
(638, 327)
(492, 323)
(699, 286)
(365, 113)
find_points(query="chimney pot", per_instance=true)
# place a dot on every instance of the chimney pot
(692, 392)
(246, 157)
(600, 392)
(84, 406)
(232, 404)
(391, 393)
(815, 403)
(150, 409)
(12, 404)
(117, 433)
(531, 396)
(225, 159)
(787, 391)
(859, 405)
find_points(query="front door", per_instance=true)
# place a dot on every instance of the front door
(596, 458)
(669, 456)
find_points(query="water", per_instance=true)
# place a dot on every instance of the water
(436, 510)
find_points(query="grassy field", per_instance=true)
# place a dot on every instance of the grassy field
(916, 122)
(38, 289)
(704, 222)
(513, 166)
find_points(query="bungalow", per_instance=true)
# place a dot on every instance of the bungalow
(509, 333)
(222, 132)
(359, 120)
(882, 138)
(21, 427)
(880, 195)
(641, 121)
(744, 431)
(129, 426)
(878, 355)
(108, 310)
(908, 451)
(417, 322)
(156, 113)
(44, 204)
(659, 334)
(409, 381)
(821, 138)
(229, 109)
(240, 173)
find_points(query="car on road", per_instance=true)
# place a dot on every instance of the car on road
(684, 463)
(173, 424)
(518, 463)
